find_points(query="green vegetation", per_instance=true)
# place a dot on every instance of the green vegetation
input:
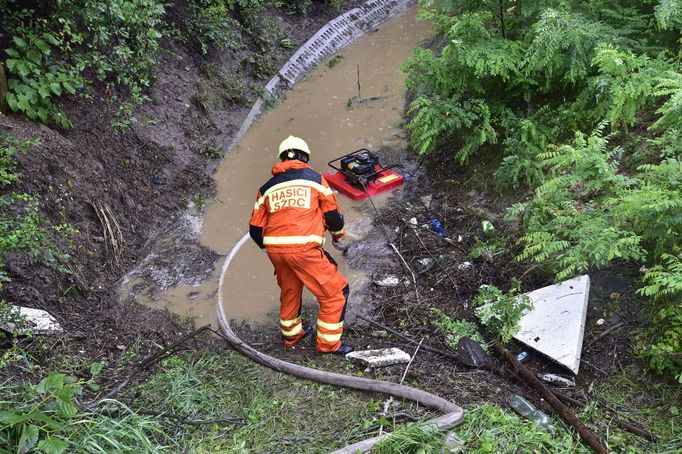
(22, 228)
(500, 312)
(277, 411)
(117, 42)
(212, 25)
(637, 397)
(47, 418)
(77, 47)
(580, 102)
(413, 438)
(455, 330)
(34, 79)
(216, 90)
(210, 385)
(490, 429)
(485, 429)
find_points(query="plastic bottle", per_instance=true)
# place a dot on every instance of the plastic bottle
(527, 410)
(437, 227)
(524, 356)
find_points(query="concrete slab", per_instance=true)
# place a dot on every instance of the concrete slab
(556, 325)
(38, 321)
(379, 358)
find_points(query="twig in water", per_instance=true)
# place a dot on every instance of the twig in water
(359, 96)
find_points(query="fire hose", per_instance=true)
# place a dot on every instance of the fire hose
(454, 412)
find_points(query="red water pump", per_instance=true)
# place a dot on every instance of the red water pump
(359, 175)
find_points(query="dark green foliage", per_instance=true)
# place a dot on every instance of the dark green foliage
(293, 6)
(583, 103)
(36, 77)
(60, 46)
(46, 418)
(455, 329)
(212, 25)
(122, 39)
(117, 42)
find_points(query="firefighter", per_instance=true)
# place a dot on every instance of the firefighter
(292, 212)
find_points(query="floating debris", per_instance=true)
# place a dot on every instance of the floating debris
(388, 281)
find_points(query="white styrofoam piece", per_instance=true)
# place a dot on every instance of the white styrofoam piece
(388, 281)
(38, 321)
(379, 357)
(556, 325)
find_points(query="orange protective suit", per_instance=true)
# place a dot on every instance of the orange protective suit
(292, 212)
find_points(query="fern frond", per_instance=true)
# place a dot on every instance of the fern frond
(669, 14)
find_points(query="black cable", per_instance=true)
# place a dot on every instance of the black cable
(376, 211)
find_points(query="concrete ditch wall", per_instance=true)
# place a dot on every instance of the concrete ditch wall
(331, 38)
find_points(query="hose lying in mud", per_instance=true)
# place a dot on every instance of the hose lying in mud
(455, 413)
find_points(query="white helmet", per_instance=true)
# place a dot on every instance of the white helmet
(293, 143)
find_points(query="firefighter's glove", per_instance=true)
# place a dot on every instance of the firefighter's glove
(341, 241)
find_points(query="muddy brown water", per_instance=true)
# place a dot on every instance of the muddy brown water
(316, 109)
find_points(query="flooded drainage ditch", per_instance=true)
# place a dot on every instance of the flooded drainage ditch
(181, 270)
(320, 109)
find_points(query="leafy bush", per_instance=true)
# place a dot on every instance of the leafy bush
(123, 40)
(455, 330)
(248, 11)
(36, 78)
(118, 42)
(46, 418)
(664, 282)
(500, 311)
(294, 6)
(212, 25)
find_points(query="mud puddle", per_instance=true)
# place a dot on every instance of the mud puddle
(324, 110)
